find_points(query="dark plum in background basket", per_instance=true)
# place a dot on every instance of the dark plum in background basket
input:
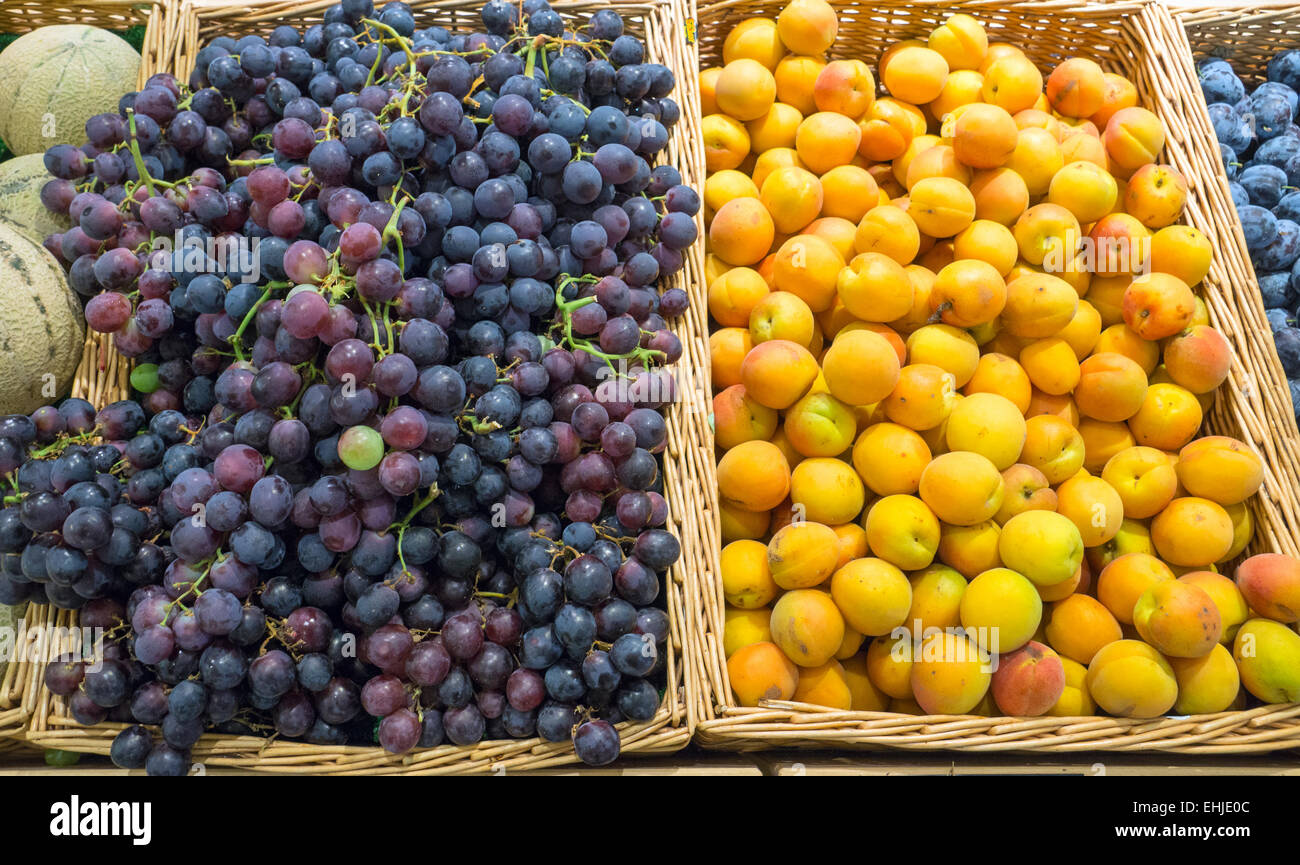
(1260, 144)
(391, 475)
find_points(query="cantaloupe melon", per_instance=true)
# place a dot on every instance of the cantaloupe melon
(55, 78)
(42, 328)
(21, 179)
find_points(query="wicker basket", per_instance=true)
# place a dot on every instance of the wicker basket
(102, 378)
(1142, 41)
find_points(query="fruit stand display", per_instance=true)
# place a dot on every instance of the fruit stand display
(919, 412)
(71, 723)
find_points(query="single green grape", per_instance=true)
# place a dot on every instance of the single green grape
(144, 377)
(361, 448)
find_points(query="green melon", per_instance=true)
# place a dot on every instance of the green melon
(21, 180)
(54, 79)
(42, 329)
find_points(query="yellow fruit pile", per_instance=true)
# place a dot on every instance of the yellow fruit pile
(959, 369)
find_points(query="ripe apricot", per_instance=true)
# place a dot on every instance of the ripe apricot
(1127, 578)
(1000, 194)
(754, 38)
(819, 425)
(989, 425)
(1130, 679)
(941, 206)
(968, 293)
(961, 87)
(738, 419)
(984, 136)
(949, 348)
(1076, 87)
(708, 84)
(1001, 610)
(1012, 83)
(872, 594)
(807, 26)
(738, 524)
(915, 74)
(1051, 365)
(796, 77)
(1026, 490)
(890, 458)
(726, 142)
(874, 287)
(1111, 387)
(724, 185)
(1085, 189)
(774, 129)
(1120, 339)
(887, 128)
(728, 348)
(848, 192)
(793, 196)
(1198, 358)
(801, 555)
(744, 628)
(1181, 251)
(846, 87)
(1221, 469)
(860, 367)
(950, 674)
(1134, 137)
(1000, 374)
(1079, 626)
(1117, 92)
(936, 599)
(1206, 684)
(772, 160)
(778, 372)
(961, 40)
(1192, 532)
(1179, 619)
(1094, 507)
(1053, 446)
(1156, 194)
(741, 232)
(827, 489)
(734, 294)
(1038, 305)
(1120, 245)
(746, 579)
(745, 90)
(761, 671)
(1045, 547)
(962, 488)
(754, 475)
(809, 267)
(1036, 157)
(1168, 419)
(971, 550)
(903, 531)
(890, 231)
(1083, 330)
(808, 626)
(826, 139)
(923, 397)
(1144, 478)
(937, 161)
(1047, 235)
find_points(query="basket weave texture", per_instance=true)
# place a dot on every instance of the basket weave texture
(1142, 41)
(177, 31)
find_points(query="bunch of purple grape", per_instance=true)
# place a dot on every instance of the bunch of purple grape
(392, 473)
